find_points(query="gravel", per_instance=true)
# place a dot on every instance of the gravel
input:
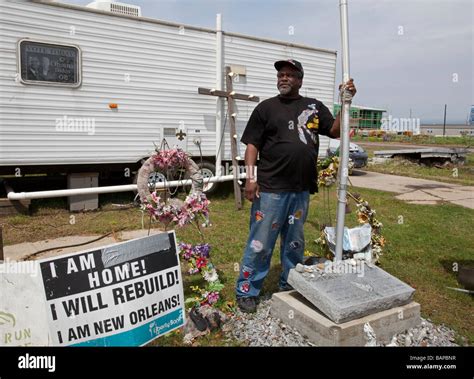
(425, 334)
(261, 329)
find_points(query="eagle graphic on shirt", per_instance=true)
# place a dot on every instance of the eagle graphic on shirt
(304, 125)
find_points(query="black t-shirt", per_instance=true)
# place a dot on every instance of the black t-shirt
(285, 132)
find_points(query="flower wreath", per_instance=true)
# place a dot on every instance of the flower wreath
(166, 210)
(168, 161)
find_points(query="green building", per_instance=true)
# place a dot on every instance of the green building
(363, 117)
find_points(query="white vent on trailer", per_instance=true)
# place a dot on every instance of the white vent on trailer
(114, 7)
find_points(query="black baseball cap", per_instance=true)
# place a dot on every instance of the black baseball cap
(289, 62)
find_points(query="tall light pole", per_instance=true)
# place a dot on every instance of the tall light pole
(344, 156)
(444, 122)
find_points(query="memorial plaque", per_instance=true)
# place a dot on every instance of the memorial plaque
(345, 294)
(45, 63)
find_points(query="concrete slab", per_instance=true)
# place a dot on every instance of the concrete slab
(67, 241)
(21, 251)
(419, 197)
(345, 292)
(450, 194)
(423, 202)
(138, 233)
(467, 203)
(429, 152)
(294, 310)
(392, 183)
(453, 193)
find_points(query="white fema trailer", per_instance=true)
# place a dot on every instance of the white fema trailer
(94, 89)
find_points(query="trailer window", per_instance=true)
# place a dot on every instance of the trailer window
(45, 63)
(169, 132)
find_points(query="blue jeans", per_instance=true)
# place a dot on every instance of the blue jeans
(273, 214)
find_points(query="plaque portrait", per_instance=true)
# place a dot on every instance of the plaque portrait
(46, 63)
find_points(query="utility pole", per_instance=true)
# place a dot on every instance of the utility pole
(444, 124)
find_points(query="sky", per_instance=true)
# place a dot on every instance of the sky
(410, 57)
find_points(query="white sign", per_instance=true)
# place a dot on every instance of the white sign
(125, 294)
(23, 319)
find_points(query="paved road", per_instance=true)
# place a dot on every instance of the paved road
(415, 191)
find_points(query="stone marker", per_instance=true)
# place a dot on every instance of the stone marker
(350, 289)
(294, 310)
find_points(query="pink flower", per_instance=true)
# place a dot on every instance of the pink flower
(197, 204)
(212, 297)
(186, 249)
(170, 159)
(184, 217)
(155, 197)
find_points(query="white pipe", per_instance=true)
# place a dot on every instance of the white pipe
(110, 189)
(344, 156)
(219, 86)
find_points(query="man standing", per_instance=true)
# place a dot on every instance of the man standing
(283, 131)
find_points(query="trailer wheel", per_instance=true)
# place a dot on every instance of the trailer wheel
(208, 170)
(153, 178)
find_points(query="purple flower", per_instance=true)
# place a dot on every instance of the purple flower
(202, 250)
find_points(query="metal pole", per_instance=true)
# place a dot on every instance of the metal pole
(1, 244)
(444, 123)
(219, 86)
(344, 155)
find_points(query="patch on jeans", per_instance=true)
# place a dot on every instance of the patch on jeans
(275, 226)
(256, 246)
(246, 272)
(291, 220)
(295, 244)
(259, 216)
(245, 287)
(298, 214)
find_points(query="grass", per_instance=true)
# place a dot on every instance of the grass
(421, 251)
(422, 139)
(462, 174)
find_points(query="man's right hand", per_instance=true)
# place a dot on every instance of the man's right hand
(251, 190)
